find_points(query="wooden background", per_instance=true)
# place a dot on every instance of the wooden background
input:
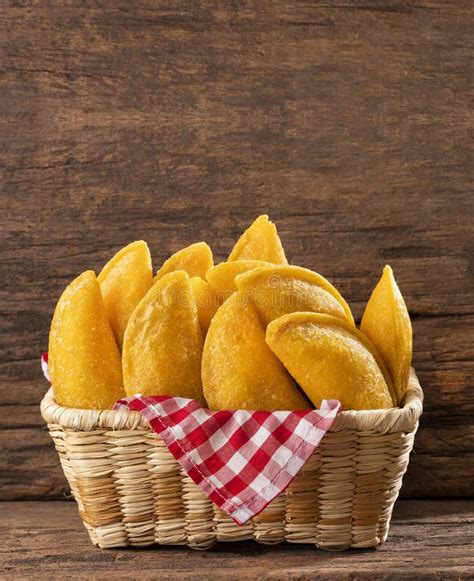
(181, 121)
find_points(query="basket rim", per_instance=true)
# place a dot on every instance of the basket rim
(402, 419)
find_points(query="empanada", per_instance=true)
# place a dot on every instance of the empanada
(330, 360)
(387, 324)
(124, 281)
(195, 259)
(259, 242)
(84, 360)
(239, 371)
(162, 346)
(279, 290)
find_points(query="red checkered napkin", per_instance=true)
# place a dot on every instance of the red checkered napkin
(44, 366)
(241, 459)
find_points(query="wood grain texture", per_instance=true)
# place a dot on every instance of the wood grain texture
(428, 540)
(181, 121)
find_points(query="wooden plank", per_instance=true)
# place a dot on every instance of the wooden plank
(356, 140)
(348, 123)
(428, 540)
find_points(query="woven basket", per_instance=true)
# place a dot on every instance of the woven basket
(131, 491)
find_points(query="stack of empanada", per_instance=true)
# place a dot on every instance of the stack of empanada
(249, 333)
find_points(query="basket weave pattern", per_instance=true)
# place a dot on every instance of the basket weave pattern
(131, 491)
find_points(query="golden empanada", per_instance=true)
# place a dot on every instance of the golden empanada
(279, 290)
(239, 371)
(195, 259)
(330, 360)
(387, 324)
(84, 360)
(259, 242)
(162, 346)
(207, 302)
(124, 281)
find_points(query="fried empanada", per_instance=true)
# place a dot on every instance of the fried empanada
(162, 346)
(124, 281)
(387, 324)
(279, 290)
(195, 259)
(331, 360)
(239, 371)
(207, 302)
(84, 360)
(259, 242)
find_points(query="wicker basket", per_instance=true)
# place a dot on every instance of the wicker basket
(131, 491)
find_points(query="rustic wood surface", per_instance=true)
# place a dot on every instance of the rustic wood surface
(429, 539)
(180, 121)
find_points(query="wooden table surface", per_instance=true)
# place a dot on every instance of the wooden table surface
(176, 122)
(428, 540)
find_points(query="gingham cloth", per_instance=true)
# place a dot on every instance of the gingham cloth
(241, 459)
